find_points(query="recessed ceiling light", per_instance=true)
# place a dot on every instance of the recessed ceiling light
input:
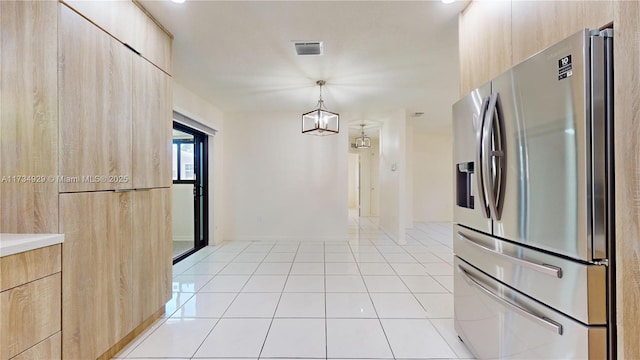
(448, 1)
(177, 1)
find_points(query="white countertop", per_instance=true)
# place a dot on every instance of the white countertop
(16, 243)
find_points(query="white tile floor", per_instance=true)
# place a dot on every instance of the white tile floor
(363, 298)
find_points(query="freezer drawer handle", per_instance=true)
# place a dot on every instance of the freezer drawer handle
(545, 322)
(543, 268)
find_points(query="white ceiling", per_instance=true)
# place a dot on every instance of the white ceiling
(379, 56)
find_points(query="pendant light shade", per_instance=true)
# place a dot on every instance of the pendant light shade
(320, 121)
(363, 141)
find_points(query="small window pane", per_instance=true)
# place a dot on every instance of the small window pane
(187, 162)
(174, 171)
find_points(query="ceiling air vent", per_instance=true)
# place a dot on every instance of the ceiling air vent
(308, 47)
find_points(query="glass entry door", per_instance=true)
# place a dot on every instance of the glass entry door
(190, 230)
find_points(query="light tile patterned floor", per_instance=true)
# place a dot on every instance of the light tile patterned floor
(365, 298)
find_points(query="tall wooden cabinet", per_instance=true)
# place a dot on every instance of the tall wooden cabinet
(85, 124)
(28, 116)
(115, 161)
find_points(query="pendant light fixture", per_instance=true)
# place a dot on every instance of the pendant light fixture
(320, 121)
(363, 141)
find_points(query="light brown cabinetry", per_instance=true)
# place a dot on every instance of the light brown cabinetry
(540, 24)
(28, 266)
(96, 296)
(151, 258)
(153, 43)
(116, 17)
(115, 111)
(95, 107)
(117, 267)
(495, 35)
(131, 25)
(50, 349)
(626, 49)
(30, 305)
(484, 42)
(28, 116)
(151, 126)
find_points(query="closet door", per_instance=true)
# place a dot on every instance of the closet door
(151, 126)
(96, 272)
(152, 244)
(95, 105)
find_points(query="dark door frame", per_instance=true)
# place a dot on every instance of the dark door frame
(200, 186)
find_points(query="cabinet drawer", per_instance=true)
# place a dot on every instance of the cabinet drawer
(50, 349)
(24, 267)
(30, 313)
(498, 322)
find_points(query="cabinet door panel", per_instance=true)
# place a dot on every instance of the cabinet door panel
(151, 126)
(94, 107)
(28, 116)
(153, 43)
(485, 42)
(114, 16)
(96, 272)
(540, 24)
(152, 255)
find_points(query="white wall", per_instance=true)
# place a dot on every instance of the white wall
(282, 184)
(392, 175)
(409, 183)
(183, 212)
(432, 177)
(191, 105)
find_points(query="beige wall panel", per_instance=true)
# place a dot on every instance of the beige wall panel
(96, 296)
(95, 74)
(30, 313)
(627, 161)
(28, 116)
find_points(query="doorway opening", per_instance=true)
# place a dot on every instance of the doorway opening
(190, 191)
(354, 184)
(364, 172)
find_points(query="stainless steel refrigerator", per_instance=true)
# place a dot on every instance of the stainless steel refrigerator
(533, 232)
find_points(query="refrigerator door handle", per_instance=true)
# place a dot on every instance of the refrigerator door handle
(545, 322)
(494, 148)
(543, 268)
(480, 158)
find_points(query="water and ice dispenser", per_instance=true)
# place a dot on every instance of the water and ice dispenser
(464, 184)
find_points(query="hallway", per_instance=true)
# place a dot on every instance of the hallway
(364, 298)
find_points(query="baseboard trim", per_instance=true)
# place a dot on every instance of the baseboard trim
(132, 335)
